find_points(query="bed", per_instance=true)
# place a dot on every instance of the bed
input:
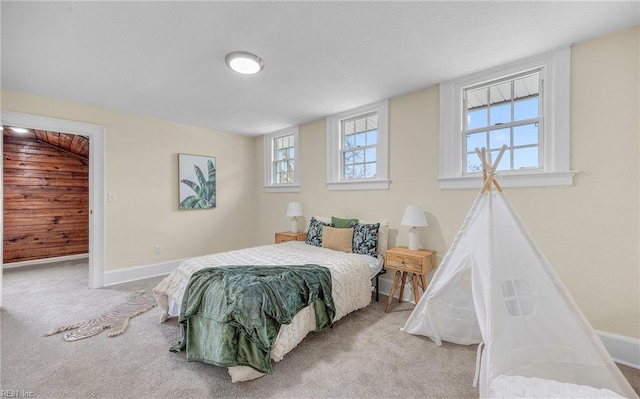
(351, 277)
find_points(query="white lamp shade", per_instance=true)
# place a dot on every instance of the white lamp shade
(414, 217)
(294, 209)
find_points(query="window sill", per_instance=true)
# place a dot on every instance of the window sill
(359, 185)
(288, 188)
(535, 179)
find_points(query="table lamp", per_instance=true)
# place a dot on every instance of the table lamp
(293, 211)
(414, 217)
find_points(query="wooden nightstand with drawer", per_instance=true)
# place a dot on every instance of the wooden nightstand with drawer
(404, 261)
(289, 236)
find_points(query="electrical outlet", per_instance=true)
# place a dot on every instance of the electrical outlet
(158, 249)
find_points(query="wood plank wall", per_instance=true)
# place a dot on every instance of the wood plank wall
(46, 200)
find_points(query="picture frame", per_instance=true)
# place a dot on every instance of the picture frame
(196, 182)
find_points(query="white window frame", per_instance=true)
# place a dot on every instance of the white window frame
(269, 139)
(334, 150)
(554, 144)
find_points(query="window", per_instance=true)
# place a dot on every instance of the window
(357, 149)
(518, 298)
(503, 112)
(524, 106)
(280, 161)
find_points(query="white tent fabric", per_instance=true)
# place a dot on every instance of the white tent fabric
(515, 304)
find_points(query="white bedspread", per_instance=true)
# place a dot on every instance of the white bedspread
(350, 277)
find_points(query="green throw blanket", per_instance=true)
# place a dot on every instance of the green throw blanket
(231, 315)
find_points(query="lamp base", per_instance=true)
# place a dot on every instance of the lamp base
(294, 225)
(414, 239)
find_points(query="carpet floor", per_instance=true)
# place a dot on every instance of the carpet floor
(365, 355)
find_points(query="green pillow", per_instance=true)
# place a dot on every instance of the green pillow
(343, 223)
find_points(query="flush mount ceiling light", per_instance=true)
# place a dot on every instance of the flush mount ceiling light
(19, 129)
(244, 62)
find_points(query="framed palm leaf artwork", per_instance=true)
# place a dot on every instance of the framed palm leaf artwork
(197, 176)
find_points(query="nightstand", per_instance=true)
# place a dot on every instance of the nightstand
(289, 236)
(405, 261)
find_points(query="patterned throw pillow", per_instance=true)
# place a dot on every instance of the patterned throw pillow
(365, 239)
(314, 235)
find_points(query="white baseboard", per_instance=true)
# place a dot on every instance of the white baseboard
(140, 272)
(622, 349)
(385, 287)
(42, 261)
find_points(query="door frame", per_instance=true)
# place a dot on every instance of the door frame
(96, 181)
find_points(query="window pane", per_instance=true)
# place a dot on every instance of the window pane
(512, 307)
(477, 118)
(372, 122)
(505, 162)
(371, 170)
(477, 98)
(508, 289)
(527, 306)
(358, 156)
(349, 127)
(348, 172)
(358, 171)
(500, 93)
(526, 86)
(348, 158)
(370, 154)
(525, 157)
(372, 137)
(525, 134)
(473, 163)
(349, 141)
(476, 140)
(361, 139)
(500, 113)
(500, 137)
(525, 109)
(360, 125)
(523, 288)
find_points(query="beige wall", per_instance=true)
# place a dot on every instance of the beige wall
(141, 157)
(589, 232)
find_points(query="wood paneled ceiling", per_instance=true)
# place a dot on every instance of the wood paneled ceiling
(73, 143)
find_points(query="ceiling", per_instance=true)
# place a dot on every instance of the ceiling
(166, 59)
(75, 144)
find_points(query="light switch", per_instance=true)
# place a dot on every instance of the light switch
(112, 197)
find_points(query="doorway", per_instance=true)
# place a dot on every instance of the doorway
(46, 196)
(95, 134)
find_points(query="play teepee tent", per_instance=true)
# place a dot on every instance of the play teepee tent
(495, 287)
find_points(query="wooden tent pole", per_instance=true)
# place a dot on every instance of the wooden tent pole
(489, 168)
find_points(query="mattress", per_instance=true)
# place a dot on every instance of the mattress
(350, 277)
(515, 386)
